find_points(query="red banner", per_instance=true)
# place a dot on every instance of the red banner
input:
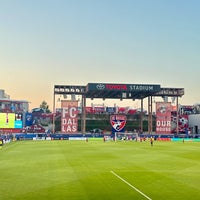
(69, 116)
(163, 117)
(89, 110)
(99, 109)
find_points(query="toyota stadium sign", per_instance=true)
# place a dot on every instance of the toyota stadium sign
(123, 87)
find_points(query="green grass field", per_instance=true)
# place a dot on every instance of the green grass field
(99, 170)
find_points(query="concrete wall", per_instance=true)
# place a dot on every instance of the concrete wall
(194, 123)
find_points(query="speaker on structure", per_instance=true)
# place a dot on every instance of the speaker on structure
(196, 129)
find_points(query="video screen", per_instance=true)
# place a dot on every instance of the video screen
(10, 120)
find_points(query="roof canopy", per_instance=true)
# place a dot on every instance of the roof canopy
(118, 91)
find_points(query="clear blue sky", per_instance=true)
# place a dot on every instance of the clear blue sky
(48, 42)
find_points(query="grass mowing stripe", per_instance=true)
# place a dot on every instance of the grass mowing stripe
(131, 185)
(49, 170)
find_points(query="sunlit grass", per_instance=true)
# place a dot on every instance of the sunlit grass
(83, 170)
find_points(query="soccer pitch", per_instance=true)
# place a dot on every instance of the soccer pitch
(99, 170)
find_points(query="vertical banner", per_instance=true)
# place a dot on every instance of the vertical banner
(69, 116)
(118, 123)
(29, 119)
(163, 117)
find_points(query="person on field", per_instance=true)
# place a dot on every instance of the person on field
(151, 140)
(1, 143)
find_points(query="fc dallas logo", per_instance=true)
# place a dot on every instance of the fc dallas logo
(118, 122)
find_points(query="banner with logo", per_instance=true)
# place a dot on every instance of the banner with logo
(163, 117)
(69, 116)
(89, 109)
(111, 109)
(183, 123)
(29, 119)
(118, 122)
(99, 109)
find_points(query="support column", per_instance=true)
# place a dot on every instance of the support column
(150, 121)
(141, 116)
(177, 116)
(53, 124)
(83, 115)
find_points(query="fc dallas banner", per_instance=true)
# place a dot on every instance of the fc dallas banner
(118, 122)
(163, 117)
(69, 116)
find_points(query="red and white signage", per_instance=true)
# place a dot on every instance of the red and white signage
(163, 117)
(118, 122)
(69, 116)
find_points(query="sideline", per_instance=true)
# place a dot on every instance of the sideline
(130, 185)
(9, 145)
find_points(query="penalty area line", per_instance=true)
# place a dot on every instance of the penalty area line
(131, 185)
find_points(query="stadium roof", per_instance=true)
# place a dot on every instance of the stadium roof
(118, 91)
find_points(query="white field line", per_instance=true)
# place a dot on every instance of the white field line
(8, 146)
(131, 185)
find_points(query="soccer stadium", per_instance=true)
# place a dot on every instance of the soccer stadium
(98, 152)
